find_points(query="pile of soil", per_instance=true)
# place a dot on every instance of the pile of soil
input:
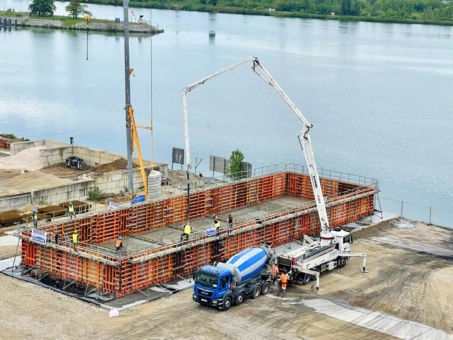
(35, 180)
(177, 177)
(8, 218)
(119, 164)
(27, 159)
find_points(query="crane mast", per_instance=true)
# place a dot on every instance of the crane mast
(303, 137)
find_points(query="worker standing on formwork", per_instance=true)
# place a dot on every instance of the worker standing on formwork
(75, 239)
(34, 217)
(71, 211)
(119, 244)
(216, 224)
(187, 229)
(230, 223)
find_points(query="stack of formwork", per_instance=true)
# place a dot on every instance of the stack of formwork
(97, 267)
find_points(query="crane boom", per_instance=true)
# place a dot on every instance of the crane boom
(303, 137)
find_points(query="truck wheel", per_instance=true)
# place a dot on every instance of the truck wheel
(239, 299)
(265, 288)
(227, 303)
(339, 263)
(256, 291)
(343, 262)
(306, 278)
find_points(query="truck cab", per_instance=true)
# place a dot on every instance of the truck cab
(342, 239)
(211, 285)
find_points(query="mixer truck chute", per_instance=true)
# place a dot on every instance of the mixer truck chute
(243, 276)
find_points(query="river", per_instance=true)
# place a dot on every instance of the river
(379, 95)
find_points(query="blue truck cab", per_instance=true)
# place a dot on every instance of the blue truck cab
(211, 285)
(245, 275)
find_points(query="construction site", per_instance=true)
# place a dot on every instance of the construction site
(127, 264)
(276, 207)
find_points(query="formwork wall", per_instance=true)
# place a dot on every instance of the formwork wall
(98, 267)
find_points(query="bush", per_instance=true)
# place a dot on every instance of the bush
(95, 194)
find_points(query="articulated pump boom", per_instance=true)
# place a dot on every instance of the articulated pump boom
(303, 136)
(305, 261)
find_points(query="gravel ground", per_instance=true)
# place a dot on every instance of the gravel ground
(410, 285)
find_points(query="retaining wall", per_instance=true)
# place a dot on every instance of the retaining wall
(57, 152)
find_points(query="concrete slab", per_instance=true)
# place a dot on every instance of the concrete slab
(7, 263)
(180, 285)
(8, 240)
(172, 234)
(419, 247)
(148, 295)
(136, 299)
(377, 218)
(380, 322)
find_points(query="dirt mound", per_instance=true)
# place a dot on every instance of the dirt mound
(119, 164)
(35, 180)
(27, 159)
(177, 177)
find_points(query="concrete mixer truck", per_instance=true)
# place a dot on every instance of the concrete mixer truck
(243, 276)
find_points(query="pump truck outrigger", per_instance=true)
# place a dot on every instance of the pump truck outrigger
(332, 249)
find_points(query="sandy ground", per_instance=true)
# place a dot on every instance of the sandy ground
(407, 284)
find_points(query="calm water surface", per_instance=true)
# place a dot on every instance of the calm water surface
(379, 95)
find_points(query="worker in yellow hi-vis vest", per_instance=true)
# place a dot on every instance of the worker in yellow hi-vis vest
(75, 239)
(34, 217)
(216, 224)
(186, 232)
(71, 211)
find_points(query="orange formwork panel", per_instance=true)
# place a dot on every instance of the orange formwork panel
(28, 256)
(347, 202)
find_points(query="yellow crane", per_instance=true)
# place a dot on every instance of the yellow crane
(135, 142)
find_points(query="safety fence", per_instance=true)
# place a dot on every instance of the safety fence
(100, 268)
(418, 212)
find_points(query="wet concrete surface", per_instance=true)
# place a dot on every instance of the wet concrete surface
(172, 234)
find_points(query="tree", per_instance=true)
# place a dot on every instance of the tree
(234, 165)
(75, 8)
(42, 8)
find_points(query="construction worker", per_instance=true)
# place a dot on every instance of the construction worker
(186, 231)
(75, 239)
(274, 273)
(71, 211)
(119, 244)
(34, 217)
(57, 237)
(230, 223)
(284, 281)
(216, 224)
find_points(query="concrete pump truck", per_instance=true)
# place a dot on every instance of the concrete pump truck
(227, 284)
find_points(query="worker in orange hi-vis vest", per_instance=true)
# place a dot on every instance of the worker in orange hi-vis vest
(119, 244)
(274, 273)
(284, 281)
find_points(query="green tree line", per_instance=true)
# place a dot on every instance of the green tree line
(385, 10)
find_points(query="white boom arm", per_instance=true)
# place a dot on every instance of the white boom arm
(303, 136)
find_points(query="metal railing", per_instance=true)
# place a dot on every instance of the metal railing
(418, 212)
(297, 168)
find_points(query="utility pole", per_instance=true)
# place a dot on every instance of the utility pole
(128, 107)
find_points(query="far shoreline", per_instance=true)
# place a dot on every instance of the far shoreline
(23, 19)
